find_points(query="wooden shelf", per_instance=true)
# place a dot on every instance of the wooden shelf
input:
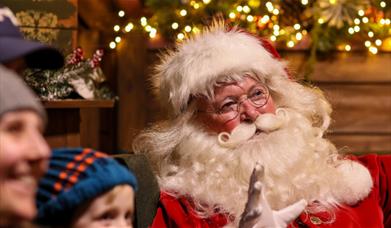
(78, 103)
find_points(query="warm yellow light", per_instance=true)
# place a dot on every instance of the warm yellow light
(129, 27)
(378, 42)
(250, 18)
(332, 2)
(361, 12)
(290, 44)
(112, 45)
(269, 6)
(239, 8)
(351, 30)
(383, 4)
(117, 39)
(232, 15)
(276, 32)
(192, 2)
(188, 28)
(273, 38)
(152, 34)
(382, 21)
(296, 26)
(121, 13)
(246, 9)
(367, 43)
(387, 21)
(276, 27)
(265, 19)
(148, 28)
(116, 28)
(180, 36)
(356, 21)
(370, 34)
(373, 50)
(304, 2)
(174, 25)
(304, 32)
(365, 20)
(282, 31)
(356, 28)
(143, 21)
(320, 20)
(206, 1)
(386, 46)
(348, 47)
(196, 30)
(299, 36)
(196, 6)
(183, 12)
(276, 11)
(254, 3)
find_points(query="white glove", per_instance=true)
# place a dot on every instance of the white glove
(258, 214)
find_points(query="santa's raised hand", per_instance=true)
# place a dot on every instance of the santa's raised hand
(258, 213)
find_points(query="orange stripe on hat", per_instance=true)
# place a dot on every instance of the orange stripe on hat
(78, 165)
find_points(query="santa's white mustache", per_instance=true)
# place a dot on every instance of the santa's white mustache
(267, 123)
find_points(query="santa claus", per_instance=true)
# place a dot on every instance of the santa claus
(237, 113)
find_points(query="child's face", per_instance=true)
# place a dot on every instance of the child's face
(114, 208)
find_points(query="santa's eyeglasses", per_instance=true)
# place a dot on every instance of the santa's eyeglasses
(229, 109)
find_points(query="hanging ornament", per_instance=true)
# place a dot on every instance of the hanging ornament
(79, 76)
(338, 12)
(386, 46)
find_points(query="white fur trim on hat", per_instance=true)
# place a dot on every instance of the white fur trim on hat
(199, 61)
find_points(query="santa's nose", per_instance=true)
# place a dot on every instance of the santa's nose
(248, 112)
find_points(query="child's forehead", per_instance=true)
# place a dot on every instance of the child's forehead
(119, 194)
(117, 198)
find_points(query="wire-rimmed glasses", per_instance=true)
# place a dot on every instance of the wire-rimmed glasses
(229, 109)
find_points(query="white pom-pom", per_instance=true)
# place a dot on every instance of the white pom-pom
(358, 181)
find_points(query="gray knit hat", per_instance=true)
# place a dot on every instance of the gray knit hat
(16, 95)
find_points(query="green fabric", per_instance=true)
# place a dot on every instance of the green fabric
(147, 195)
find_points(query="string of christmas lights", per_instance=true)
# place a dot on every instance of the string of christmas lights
(325, 25)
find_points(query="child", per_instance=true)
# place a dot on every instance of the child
(85, 188)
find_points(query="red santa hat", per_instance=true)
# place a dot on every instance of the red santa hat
(202, 59)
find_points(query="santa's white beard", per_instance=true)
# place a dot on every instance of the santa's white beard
(298, 162)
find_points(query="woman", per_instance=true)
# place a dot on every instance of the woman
(23, 151)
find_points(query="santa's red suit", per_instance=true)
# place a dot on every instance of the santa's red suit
(372, 212)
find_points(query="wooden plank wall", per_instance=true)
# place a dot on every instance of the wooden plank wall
(358, 86)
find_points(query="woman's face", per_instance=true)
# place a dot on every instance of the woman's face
(23, 160)
(237, 94)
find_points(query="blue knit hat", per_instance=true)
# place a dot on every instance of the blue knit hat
(75, 176)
